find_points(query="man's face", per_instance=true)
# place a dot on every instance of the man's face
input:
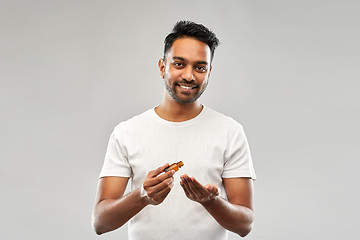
(186, 69)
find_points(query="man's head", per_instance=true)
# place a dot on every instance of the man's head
(186, 65)
(183, 29)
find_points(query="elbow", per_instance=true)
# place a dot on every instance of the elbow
(242, 229)
(96, 225)
(244, 232)
(246, 227)
(97, 228)
(98, 232)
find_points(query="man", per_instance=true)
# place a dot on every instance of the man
(213, 148)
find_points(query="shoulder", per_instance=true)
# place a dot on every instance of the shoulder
(222, 121)
(136, 123)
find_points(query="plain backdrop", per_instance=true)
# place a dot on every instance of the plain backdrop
(288, 71)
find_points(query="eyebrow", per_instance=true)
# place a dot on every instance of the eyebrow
(197, 62)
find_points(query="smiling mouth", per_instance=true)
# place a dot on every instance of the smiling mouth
(186, 87)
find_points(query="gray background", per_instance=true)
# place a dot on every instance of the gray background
(287, 70)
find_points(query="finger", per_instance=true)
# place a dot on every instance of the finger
(157, 171)
(161, 195)
(156, 180)
(198, 190)
(185, 184)
(192, 188)
(158, 183)
(165, 191)
(200, 187)
(152, 191)
(212, 189)
(165, 175)
(186, 191)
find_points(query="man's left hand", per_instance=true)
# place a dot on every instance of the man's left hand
(197, 192)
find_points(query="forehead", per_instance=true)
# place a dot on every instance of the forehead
(190, 49)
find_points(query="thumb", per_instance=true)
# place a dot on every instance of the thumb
(157, 171)
(212, 189)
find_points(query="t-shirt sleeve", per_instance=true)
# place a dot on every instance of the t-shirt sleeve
(116, 163)
(238, 161)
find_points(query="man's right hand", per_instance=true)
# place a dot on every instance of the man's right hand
(157, 186)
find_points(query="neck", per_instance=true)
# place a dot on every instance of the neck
(173, 111)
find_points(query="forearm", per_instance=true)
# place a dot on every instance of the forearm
(233, 217)
(110, 214)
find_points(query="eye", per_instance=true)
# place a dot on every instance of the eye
(201, 68)
(178, 64)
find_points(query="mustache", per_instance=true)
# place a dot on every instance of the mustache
(192, 83)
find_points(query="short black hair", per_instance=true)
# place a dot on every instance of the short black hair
(190, 29)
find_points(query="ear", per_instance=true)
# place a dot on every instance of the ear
(161, 65)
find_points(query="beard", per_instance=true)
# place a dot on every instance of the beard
(174, 94)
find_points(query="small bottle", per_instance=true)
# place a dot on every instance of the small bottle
(174, 166)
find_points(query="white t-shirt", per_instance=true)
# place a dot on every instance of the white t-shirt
(212, 146)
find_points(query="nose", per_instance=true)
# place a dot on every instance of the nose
(188, 74)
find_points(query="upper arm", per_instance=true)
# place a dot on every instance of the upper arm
(111, 188)
(239, 191)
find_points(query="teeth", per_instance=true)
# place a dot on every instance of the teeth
(186, 87)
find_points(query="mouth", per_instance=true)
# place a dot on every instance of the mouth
(186, 87)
